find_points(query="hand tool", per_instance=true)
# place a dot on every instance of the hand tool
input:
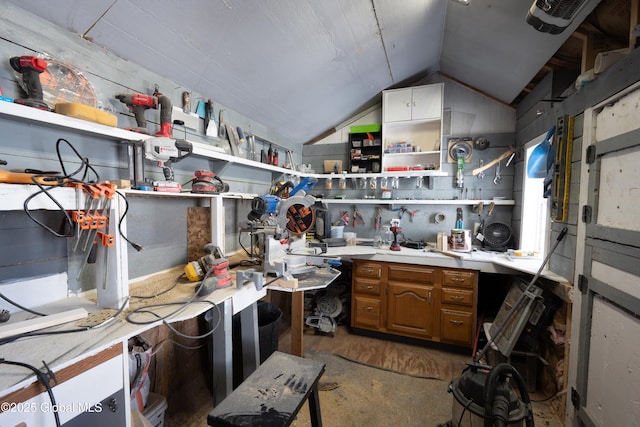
(210, 127)
(395, 229)
(501, 157)
(28, 178)
(481, 173)
(357, 217)
(343, 220)
(498, 177)
(138, 103)
(166, 151)
(222, 129)
(30, 67)
(203, 183)
(212, 269)
(378, 219)
(459, 224)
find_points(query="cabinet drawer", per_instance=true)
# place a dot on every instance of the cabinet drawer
(412, 273)
(456, 326)
(364, 286)
(457, 296)
(368, 269)
(463, 279)
(366, 312)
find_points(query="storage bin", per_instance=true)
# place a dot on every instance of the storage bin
(154, 411)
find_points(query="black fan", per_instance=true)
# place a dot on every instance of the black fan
(497, 236)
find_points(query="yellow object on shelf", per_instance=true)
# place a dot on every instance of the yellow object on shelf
(84, 112)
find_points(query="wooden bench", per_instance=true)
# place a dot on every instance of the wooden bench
(272, 395)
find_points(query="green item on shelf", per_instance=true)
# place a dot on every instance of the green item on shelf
(365, 128)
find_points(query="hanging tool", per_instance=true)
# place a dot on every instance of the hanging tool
(30, 67)
(343, 219)
(460, 173)
(501, 157)
(459, 224)
(481, 173)
(357, 216)
(138, 103)
(378, 219)
(498, 177)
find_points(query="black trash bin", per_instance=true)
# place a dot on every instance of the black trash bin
(268, 328)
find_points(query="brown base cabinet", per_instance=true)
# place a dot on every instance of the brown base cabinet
(424, 302)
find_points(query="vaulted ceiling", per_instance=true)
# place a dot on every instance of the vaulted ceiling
(303, 66)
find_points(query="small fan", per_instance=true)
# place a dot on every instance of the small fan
(497, 236)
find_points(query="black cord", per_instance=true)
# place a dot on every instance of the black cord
(15, 304)
(136, 246)
(45, 379)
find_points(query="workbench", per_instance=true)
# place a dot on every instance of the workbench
(81, 360)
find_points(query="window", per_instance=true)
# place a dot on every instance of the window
(535, 208)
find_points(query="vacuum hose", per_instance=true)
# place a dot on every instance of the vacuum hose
(496, 408)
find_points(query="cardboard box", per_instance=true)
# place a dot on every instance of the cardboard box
(333, 166)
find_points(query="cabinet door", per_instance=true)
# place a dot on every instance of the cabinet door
(396, 105)
(410, 309)
(426, 102)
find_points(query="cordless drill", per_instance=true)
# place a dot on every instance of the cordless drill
(395, 229)
(30, 67)
(138, 103)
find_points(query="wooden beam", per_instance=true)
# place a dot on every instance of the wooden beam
(37, 323)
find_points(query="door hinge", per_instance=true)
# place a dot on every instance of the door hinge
(586, 214)
(575, 398)
(583, 283)
(590, 154)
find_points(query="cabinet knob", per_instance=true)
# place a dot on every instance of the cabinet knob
(408, 104)
(368, 308)
(456, 322)
(429, 297)
(414, 103)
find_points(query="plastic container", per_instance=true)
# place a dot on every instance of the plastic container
(268, 324)
(154, 411)
(342, 182)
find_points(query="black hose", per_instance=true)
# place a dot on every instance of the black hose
(489, 396)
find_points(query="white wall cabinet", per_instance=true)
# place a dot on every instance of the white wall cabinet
(414, 103)
(412, 128)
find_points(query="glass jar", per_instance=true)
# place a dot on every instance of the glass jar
(342, 182)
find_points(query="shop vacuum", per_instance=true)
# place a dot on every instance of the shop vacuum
(483, 395)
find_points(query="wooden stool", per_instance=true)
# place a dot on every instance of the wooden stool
(272, 395)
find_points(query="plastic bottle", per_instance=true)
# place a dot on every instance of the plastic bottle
(328, 183)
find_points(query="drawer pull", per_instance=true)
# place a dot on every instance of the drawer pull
(368, 308)
(457, 279)
(368, 287)
(367, 270)
(456, 322)
(456, 298)
(429, 297)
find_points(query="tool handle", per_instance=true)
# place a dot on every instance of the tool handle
(165, 108)
(501, 157)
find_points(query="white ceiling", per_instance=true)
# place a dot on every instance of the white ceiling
(304, 66)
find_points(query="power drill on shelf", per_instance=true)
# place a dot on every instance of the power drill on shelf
(212, 269)
(30, 67)
(138, 103)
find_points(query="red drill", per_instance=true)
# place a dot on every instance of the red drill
(30, 67)
(138, 103)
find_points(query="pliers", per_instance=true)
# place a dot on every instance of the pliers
(343, 220)
(357, 217)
